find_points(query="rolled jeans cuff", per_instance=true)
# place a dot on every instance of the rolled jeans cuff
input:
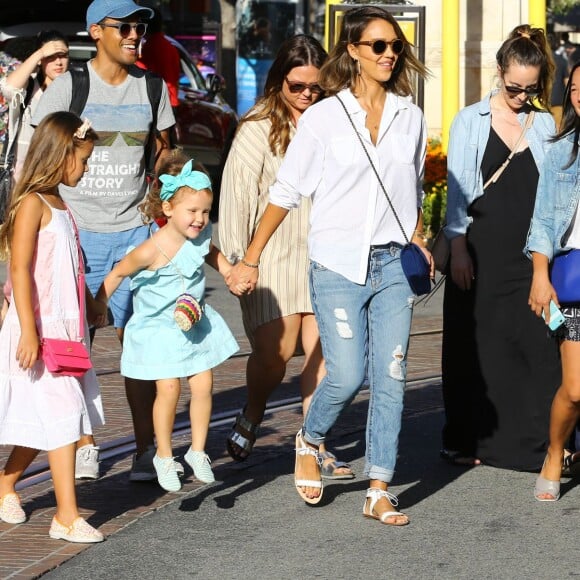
(312, 440)
(378, 473)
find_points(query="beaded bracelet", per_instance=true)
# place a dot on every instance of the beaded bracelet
(249, 265)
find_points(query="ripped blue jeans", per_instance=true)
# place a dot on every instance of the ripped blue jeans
(364, 331)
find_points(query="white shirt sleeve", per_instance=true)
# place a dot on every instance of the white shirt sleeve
(301, 170)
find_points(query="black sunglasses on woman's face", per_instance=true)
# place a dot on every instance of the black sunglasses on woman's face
(531, 92)
(380, 46)
(296, 87)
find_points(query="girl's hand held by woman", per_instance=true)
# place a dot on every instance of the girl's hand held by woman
(242, 279)
(98, 314)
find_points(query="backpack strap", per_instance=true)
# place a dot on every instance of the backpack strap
(154, 89)
(80, 89)
(29, 91)
(80, 94)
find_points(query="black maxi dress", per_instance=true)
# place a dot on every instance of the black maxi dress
(501, 368)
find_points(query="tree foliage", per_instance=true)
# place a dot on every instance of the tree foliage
(561, 6)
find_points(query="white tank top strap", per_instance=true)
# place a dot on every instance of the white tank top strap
(44, 200)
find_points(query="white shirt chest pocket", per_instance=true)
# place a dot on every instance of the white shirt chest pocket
(403, 148)
(345, 150)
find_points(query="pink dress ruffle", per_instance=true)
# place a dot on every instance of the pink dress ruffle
(37, 409)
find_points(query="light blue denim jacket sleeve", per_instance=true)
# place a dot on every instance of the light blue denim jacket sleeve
(556, 201)
(468, 139)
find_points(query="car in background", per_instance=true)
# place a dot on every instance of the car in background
(205, 123)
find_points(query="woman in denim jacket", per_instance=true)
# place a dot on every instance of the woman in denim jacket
(500, 370)
(556, 229)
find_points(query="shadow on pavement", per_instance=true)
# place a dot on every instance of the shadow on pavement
(420, 471)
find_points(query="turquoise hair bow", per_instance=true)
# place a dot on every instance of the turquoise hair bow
(187, 178)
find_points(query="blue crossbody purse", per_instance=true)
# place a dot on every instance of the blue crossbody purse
(565, 277)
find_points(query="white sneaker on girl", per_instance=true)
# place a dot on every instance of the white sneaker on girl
(200, 463)
(166, 473)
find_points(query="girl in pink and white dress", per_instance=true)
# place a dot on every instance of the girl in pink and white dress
(39, 410)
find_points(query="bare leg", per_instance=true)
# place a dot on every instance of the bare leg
(164, 410)
(274, 345)
(200, 408)
(313, 370)
(20, 458)
(565, 411)
(85, 440)
(141, 397)
(62, 469)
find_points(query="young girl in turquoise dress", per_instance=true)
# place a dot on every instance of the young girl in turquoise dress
(40, 410)
(164, 342)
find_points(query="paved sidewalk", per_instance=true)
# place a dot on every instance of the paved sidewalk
(465, 524)
(112, 503)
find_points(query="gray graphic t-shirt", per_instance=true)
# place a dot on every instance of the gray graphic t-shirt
(107, 197)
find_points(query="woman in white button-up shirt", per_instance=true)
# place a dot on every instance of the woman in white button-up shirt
(361, 298)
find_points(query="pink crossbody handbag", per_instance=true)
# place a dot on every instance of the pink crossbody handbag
(69, 357)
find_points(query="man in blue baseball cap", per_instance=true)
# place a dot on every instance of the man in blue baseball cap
(101, 9)
(105, 202)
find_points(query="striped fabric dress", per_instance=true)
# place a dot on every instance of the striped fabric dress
(283, 284)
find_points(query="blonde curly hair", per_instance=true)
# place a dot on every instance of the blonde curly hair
(172, 164)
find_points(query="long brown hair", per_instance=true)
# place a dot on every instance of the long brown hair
(298, 50)
(529, 46)
(52, 145)
(340, 70)
(570, 124)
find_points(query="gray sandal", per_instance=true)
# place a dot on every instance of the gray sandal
(547, 487)
(237, 443)
(328, 468)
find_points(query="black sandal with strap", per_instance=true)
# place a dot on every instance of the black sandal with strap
(238, 443)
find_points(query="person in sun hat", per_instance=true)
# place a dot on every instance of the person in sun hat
(105, 202)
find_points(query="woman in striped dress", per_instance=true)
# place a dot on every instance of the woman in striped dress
(278, 315)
